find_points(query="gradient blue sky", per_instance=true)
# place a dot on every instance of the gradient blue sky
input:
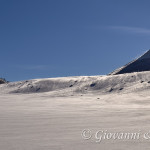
(51, 38)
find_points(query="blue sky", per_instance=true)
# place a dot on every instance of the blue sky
(52, 38)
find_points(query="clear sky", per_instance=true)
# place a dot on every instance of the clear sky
(52, 38)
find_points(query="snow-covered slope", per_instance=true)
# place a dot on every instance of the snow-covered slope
(123, 83)
(56, 111)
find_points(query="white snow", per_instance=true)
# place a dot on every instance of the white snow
(50, 114)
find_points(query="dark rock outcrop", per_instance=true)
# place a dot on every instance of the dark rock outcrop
(2, 81)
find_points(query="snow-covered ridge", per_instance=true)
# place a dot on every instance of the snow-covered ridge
(146, 55)
(123, 83)
(138, 65)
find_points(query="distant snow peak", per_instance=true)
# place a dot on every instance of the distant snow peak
(145, 55)
(138, 65)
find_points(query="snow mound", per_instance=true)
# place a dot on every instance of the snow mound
(123, 83)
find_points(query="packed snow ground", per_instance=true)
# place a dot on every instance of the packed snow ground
(50, 114)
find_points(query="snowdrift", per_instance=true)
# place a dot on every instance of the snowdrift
(123, 83)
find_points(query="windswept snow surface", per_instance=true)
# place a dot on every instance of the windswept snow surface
(50, 114)
(65, 86)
